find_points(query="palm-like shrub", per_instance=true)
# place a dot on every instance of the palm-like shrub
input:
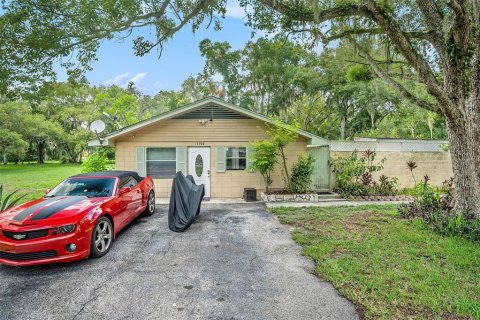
(9, 200)
(301, 178)
(263, 160)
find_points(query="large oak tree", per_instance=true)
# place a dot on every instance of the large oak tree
(438, 43)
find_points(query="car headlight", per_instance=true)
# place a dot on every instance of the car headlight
(64, 229)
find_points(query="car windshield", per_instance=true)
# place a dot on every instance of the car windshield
(90, 187)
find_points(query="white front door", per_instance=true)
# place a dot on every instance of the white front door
(199, 167)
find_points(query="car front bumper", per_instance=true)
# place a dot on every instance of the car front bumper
(44, 250)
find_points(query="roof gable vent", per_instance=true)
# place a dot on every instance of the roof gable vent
(211, 112)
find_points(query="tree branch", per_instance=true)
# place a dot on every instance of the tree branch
(298, 12)
(130, 23)
(372, 10)
(419, 63)
(460, 28)
(412, 34)
(396, 85)
(377, 61)
(433, 18)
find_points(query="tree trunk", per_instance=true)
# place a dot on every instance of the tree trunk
(343, 124)
(285, 168)
(41, 152)
(464, 140)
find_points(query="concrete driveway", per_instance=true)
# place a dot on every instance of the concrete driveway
(236, 262)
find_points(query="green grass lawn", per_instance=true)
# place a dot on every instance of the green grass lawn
(33, 179)
(389, 267)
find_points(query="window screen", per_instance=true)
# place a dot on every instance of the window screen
(161, 162)
(236, 158)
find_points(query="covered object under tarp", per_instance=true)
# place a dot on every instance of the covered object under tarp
(185, 201)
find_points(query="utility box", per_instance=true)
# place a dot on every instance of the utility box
(250, 194)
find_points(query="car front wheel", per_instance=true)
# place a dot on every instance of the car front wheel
(102, 237)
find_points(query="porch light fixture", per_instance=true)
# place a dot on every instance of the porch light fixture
(204, 121)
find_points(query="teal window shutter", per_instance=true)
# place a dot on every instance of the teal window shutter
(250, 154)
(221, 159)
(141, 170)
(181, 164)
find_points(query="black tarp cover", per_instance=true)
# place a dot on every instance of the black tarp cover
(185, 200)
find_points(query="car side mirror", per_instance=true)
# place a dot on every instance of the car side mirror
(124, 190)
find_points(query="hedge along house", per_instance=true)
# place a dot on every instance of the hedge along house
(208, 139)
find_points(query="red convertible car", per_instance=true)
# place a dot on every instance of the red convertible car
(77, 219)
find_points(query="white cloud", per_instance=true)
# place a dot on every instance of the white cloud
(123, 79)
(235, 11)
(136, 79)
(117, 80)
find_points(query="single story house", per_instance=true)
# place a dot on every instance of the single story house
(208, 139)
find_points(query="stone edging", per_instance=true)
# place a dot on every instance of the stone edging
(301, 197)
(382, 198)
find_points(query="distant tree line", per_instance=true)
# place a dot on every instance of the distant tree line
(53, 120)
(328, 94)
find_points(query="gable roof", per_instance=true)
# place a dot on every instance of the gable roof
(195, 109)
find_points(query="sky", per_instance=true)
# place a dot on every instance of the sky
(117, 63)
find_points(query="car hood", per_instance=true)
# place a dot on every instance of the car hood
(39, 210)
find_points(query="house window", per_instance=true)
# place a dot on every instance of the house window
(236, 158)
(161, 162)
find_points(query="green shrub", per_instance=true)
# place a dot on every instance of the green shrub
(347, 171)
(354, 175)
(263, 160)
(281, 135)
(13, 145)
(435, 210)
(442, 220)
(387, 186)
(301, 177)
(64, 158)
(95, 162)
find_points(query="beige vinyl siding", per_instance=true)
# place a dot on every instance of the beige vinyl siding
(188, 133)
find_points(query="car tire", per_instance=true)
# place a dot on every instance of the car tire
(150, 209)
(102, 238)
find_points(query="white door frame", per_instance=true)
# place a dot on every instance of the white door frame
(205, 178)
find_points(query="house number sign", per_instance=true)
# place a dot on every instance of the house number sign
(199, 143)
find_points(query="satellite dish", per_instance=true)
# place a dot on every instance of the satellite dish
(97, 126)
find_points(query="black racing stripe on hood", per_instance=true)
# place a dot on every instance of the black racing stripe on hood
(25, 213)
(56, 207)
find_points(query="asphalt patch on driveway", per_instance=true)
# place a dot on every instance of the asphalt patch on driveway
(235, 262)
